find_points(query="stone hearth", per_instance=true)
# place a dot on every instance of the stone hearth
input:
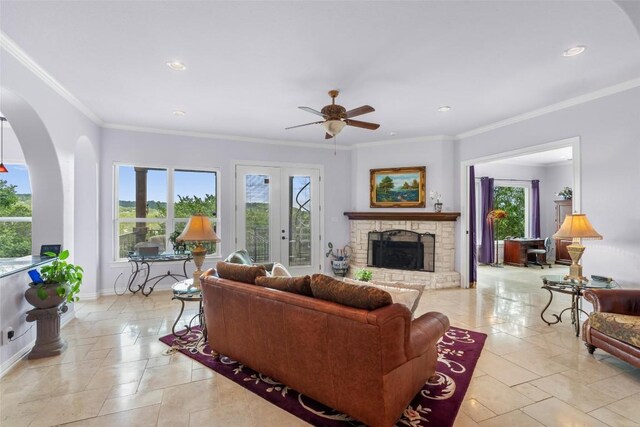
(440, 224)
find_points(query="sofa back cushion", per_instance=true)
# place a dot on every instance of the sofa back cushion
(297, 285)
(240, 272)
(350, 294)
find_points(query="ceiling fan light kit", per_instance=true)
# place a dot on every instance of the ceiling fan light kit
(336, 117)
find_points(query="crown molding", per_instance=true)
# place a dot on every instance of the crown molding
(571, 102)
(429, 138)
(11, 47)
(236, 138)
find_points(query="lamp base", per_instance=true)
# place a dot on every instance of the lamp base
(198, 253)
(575, 270)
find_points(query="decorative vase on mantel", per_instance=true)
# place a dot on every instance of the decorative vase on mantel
(437, 207)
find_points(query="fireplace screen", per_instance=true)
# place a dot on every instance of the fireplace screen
(402, 250)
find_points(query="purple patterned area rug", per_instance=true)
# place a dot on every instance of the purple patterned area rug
(437, 404)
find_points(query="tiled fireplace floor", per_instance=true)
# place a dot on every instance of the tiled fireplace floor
(114, 372)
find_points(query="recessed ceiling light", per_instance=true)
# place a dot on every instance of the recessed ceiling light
(392, 133)
(444, 109)
(573, 51)
(179, 113)
(176, 65)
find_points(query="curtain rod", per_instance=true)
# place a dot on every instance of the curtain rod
(503, 179)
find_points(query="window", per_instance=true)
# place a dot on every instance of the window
(15, 212)
(511, 199)
(154, 204)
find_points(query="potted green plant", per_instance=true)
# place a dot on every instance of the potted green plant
(61, 283)
(364, 275)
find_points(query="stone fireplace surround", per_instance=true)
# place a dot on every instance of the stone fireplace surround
(442, 224)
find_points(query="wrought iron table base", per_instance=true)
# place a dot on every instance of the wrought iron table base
(575, 308)
(145, 265)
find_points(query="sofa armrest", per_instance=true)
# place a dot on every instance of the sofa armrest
(620, 301)
(425, 330)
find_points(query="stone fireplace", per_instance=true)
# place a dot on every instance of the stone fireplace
(409, 247)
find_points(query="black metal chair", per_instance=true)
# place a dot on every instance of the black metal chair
(539, 253)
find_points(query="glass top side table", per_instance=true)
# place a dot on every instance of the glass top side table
(557, 283)
(184, 291)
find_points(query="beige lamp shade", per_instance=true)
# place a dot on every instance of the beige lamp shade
(577, 226)
(333, 127)
(198, 229)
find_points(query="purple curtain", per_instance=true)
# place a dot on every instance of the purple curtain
(473, 253)
(535, 208)
(486, 205)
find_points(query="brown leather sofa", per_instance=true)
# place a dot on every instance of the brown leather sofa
(367, 364)
(614, 325)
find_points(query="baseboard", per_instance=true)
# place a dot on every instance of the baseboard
(10, 363)
(123, 290)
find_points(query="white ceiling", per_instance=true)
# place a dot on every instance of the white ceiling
(544, 158)
(251, 64)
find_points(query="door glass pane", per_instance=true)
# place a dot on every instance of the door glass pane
(257, 198)
(299, 210)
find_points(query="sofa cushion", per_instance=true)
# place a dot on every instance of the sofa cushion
(279, 270)
(401, 293)
(240, 257)
(622, 327)
(297, 285)
(353, 295)
(240, 272)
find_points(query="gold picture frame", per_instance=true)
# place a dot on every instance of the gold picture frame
(398, 187)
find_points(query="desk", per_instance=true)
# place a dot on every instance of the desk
(144, 262)
(575, 289)
(515, 251)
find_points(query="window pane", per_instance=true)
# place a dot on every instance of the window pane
(511, 200)
(210, 246)
(257, 217)
(195, 192)
(15, 239)
(136, 234)
(142, 192)
(15, 201)
(299, 220)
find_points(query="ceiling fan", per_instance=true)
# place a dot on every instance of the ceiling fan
(336, 117)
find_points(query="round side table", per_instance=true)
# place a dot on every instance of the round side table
(184, 291)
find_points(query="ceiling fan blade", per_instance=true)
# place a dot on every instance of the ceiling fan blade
(364, 125)
(327, 136)
(360, 111)
(306, 124)
(312, 111)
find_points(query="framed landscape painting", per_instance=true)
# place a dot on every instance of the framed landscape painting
(398, 187)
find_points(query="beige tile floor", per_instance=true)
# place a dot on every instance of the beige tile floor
(114, 372)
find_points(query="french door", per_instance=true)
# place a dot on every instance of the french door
(278, 216)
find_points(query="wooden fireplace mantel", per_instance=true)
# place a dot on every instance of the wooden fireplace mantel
(403, 216)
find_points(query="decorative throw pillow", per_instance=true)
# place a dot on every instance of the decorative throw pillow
(240, 257)
(279, 270)
(353, 295)
(240, 272)
(297, 285)
(402, 293)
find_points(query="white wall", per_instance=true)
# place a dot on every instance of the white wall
(190, 152)
(436, 154)
(609, 131)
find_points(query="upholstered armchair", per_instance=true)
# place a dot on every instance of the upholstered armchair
(614, 325)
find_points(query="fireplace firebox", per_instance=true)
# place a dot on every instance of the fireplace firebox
(402, 250)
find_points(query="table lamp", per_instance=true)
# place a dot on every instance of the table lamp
(576, 227)
(198, 230)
